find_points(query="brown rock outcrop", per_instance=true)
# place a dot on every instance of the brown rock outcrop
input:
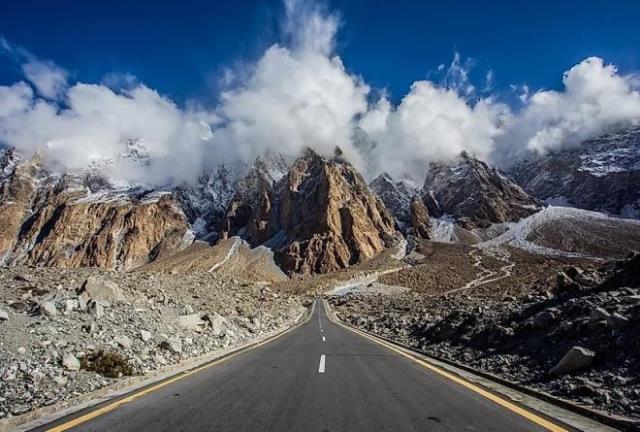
(420, 221)
(61, 224)
(17, 191)
(319, 218)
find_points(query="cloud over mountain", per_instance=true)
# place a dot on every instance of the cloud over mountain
(298, 94)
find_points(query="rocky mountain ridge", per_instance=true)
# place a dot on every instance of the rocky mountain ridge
(602, 174)
(320, 217)
(474, 193)
(297, 209)
(51, 220)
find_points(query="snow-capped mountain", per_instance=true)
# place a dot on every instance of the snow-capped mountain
(601, 174)
(474, 194)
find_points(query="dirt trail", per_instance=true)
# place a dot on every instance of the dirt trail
(487, 275)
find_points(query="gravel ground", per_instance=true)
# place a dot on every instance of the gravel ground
(68, 332)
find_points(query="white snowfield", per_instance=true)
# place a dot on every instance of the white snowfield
(518, 234)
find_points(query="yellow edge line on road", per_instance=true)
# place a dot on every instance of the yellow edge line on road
(500, 401)
(110, 407)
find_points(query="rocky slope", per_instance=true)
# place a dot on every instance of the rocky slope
(80, 220)
(474, 194)
(66, 332)
(573, 335)
(320, 217)
(602, 174)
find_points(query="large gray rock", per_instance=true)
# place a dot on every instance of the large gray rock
(48, 309)
(95, 309)
(145, 335)
(173, 344)
(123, 341)
(599, 314)
(217, 322)
(575, 359)
(70, 362)
(4, 316)
(191, 322)
(98, 288)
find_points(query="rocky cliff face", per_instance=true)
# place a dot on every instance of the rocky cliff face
(396, 196)
(475, 194)
(320, 217)
(602, 174)
(420, 219)
(79, 221)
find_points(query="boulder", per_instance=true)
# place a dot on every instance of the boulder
(123, 341)
(70, 305)
(217, 322)
(48, 309)
(145, 335)
(575, 359)
(95, 309)
(545, 318)
(173, 344)
(98, 288)
(60, 380)
(191, 322)
(599, 314)
(70, 362)
(4, 316)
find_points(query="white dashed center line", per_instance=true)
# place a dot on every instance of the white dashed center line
(323, 339)
(321, 367)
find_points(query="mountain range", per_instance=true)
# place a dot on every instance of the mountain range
(317, 214)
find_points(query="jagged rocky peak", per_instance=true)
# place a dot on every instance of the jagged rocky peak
(601, 174)
(475, 194)
(78, 219)
(396, 196)
(320, 217)
(420, 219)
(205, 200)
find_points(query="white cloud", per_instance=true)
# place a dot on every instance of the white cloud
(15, 98)
(49, 79)
(96, 126)
(431, 123)
(595, 99)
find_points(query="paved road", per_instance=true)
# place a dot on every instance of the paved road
(279, 387)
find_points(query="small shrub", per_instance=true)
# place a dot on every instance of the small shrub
(108, 364)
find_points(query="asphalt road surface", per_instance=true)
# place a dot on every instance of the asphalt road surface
(318, 377)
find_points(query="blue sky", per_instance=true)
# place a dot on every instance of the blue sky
(180, 48)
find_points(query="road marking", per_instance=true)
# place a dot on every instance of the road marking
(497, 399)
(323, 339)
(322, 361)
(110, 407)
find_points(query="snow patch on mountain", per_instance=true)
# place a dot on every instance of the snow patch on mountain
(522, 234)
